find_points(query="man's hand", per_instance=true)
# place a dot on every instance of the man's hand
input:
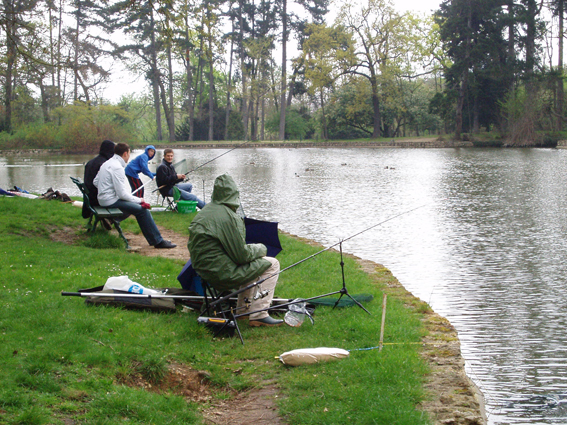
(181, 176)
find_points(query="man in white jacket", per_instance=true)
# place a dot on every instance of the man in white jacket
(114, 192)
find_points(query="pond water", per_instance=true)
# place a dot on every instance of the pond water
(479, 234)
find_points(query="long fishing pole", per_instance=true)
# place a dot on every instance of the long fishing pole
(232, 294)
(217, 157)
(142, 186)
(208, 162)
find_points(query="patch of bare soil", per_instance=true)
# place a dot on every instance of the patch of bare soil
(66, 235)
(257, 407)
(138, 244)
(179, 379)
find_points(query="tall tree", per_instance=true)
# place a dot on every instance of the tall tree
(378, 44)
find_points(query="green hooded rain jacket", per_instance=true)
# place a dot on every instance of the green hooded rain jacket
(217, 241)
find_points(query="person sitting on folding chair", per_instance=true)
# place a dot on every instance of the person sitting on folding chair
(167, 177)
(222, 258)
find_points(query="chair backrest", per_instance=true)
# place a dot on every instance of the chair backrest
(176, 194)
(85, 191)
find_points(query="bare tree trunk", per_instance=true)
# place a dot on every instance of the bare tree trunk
(162, 94)
(324, 118)
(76, 60)
(211, 88)
(155, 77)
(227, 112)
(375, 106)
(560, 89)
(200, 80)
(476, 124)
(464, 80)
(263, 117)
(284, 77)
(60, 24)
(171, 115)
(190, 106)
(10, 61)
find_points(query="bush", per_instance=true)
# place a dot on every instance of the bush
(76, 128)
(83, 127)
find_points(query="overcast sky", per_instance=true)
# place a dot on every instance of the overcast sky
(124, 83)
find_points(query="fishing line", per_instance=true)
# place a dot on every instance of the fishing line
(217, 157)
(220, 300)
(208, 162)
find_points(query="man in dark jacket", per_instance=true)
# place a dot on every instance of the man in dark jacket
(220, 255)
(91, 169)
(167, 177)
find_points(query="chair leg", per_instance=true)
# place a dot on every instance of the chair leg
(93, 229)
(119, 230)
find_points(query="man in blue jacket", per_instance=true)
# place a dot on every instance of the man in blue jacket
(140, 165)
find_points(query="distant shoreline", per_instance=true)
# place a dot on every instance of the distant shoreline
(416, 143)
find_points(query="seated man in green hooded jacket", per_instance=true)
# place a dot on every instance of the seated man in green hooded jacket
(221, 257)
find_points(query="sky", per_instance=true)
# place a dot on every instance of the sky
(124, 83)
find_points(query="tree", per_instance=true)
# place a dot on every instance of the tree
(379, 44)
(324, 50)
(14, 20)
(481, 67)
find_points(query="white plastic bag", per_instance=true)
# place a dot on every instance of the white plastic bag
(312, 355)
(123, 283)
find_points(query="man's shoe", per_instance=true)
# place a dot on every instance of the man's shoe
(266, 321)
(165, 245)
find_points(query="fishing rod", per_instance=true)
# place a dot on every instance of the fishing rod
(217, 157)
(208, 162)
(142, 186)
(232, 294)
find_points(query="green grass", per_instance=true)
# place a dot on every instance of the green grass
(62, 360)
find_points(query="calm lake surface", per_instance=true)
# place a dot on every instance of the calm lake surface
(486, 248)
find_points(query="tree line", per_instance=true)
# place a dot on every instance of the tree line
(223, 70)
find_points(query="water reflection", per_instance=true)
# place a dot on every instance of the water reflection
(487, 250)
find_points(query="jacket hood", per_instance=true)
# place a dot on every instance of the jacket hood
(107, 149)
(148, 148)
(225, 192)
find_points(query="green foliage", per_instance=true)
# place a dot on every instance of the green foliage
(297, 124)
(83, 127)
(350, 111)
(76, 128)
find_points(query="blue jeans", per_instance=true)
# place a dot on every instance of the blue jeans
(144, 218)
(185, 191)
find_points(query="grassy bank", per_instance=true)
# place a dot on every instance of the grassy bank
(65, 362)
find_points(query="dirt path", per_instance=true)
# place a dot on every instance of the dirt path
(452, 397)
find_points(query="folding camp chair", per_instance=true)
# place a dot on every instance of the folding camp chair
(221, 318)
(170, 200)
